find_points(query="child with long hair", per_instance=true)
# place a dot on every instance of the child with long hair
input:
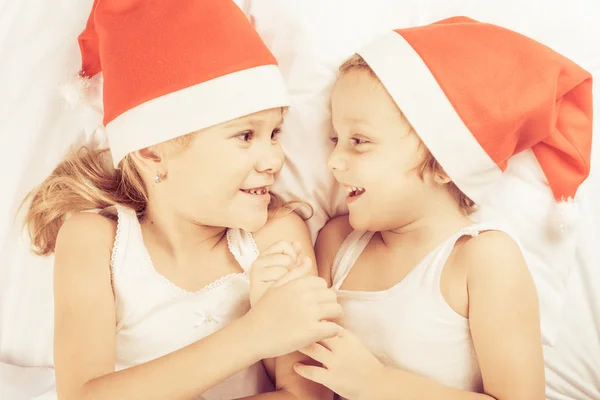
(155, 238)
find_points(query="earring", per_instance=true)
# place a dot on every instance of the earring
(158, 177)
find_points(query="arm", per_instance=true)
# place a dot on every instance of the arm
(289, 385)
(329, 240)
(504, 318)
(85, 330)
(391, 383)
(504, 321)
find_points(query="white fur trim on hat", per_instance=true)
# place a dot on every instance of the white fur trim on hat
(196, 107)
(416, 92)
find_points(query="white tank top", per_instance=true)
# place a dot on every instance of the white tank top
(410, 326)
(155, 317)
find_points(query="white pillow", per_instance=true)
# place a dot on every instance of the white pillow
(38, 51)
(310, 38)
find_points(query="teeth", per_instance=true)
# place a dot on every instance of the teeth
(354, 189)
(258, 191)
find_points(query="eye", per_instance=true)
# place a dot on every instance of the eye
(246, 136)
(357, 141)
(334, 139)
(276, 133)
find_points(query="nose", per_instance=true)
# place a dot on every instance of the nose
(271, 160)
(337, 160)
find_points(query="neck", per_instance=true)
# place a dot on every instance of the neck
(432, 227)
(179, 235)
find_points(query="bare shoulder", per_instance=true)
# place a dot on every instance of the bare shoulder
(87, 227)
(83, 236)
(493, 255)
(335, 231)
(490, 245)
(285, 225)
(328, 243)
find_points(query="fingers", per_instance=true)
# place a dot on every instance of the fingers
(330, 311)
(317, 353)
(325, 296)
(304, 283)
(300, 271)
(310, 372)
(271, 260)
(282, 247)
(297, 247)
(330, 343)
(269, 274)
(327, 330)
(314, 282)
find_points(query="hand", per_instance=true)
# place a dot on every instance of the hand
(271, 266)
(293, 315)
(348, 366)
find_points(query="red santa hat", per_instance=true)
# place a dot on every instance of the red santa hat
(170, 68)
(477, 94)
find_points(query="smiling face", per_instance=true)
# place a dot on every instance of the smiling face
(375, 155)
(222, 178)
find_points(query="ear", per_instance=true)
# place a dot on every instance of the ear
(441, 178)
(150, 160)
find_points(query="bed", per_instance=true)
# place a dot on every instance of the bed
(38, 52)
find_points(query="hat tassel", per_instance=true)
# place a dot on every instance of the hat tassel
(565, 216)
(74, 92)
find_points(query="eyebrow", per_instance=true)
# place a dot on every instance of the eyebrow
(252, 121)
(361, 122)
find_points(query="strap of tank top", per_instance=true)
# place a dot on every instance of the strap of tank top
(348, 253)
(243, 247)
(443, 252)
(125, 218)
(475, 229)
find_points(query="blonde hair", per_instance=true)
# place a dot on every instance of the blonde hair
(428, 165)
(86, 180)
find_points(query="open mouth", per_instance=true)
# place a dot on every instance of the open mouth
(260, 191)
(353, 191)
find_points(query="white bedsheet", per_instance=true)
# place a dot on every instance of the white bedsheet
(38, 50)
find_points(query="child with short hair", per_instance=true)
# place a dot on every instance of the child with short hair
(437, 306)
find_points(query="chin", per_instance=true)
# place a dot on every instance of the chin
(359, 221)
(252, 222)
(368, 221)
